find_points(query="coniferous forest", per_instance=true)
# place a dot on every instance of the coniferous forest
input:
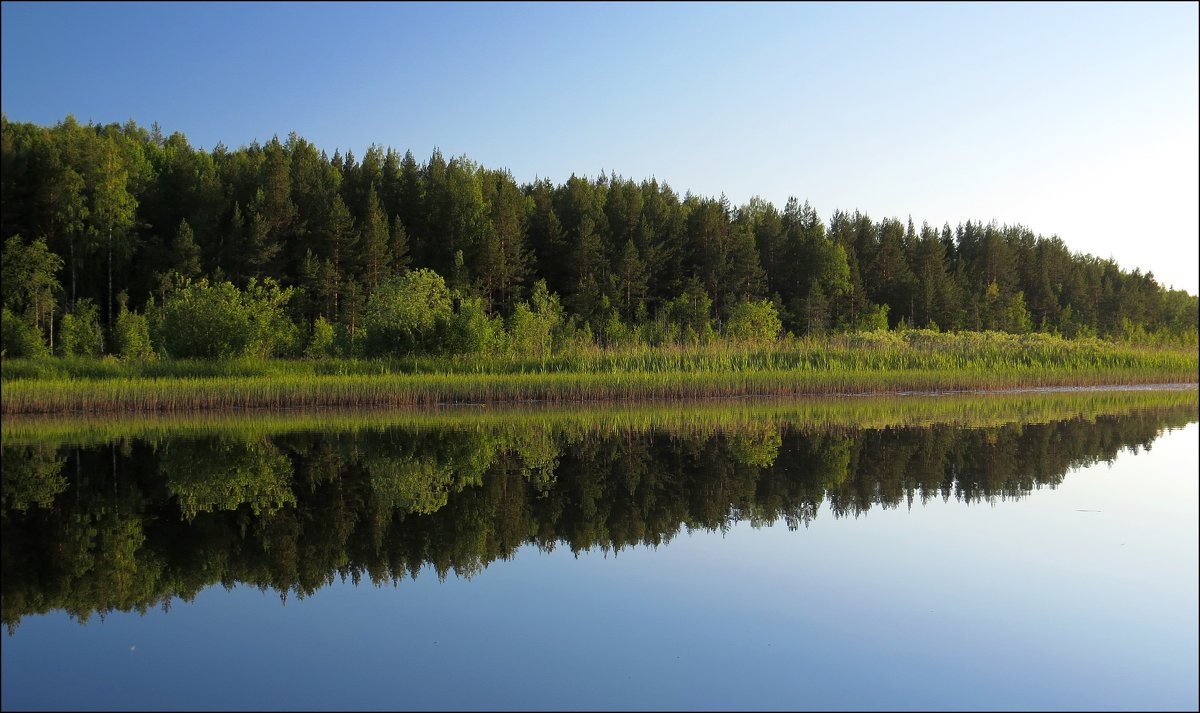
(120, 240)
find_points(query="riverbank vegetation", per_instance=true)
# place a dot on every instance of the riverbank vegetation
(885, 362)
(142, 273)
(116, 237)
(680, 417)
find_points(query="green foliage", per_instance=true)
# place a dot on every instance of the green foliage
(755, 447)
(754, 322)
(410, 485)
(813, 312)
(119, 208)
(618, 334)
(691, 311)
(320, 342)
(404, 313)
(470, 330)
(32, 477)
(272, 333)
(1016, 317)
(659, 332)
(875, 319)
(19, 338)
(79, 331)
(867, 362)
(28, 279)
(132, 336)
(203, 320)
(185, 254)
(533, 329)
(204, 478)
(219, 321)
(377, 243)
(350, 343)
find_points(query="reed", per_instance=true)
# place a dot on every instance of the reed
(683, 417)
(875, 363)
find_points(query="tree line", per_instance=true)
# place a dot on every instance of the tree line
(105, 221)
(132, 524)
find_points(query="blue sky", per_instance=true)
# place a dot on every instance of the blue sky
(1073, 119)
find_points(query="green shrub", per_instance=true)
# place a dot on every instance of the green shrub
(220, 321)
(320, 343)
(19, 338)
(755, 322)
(875, 319)
(272, 333)
(132, 336)
(692, 311)
(404, 313)
(80, 333)
(471, 331)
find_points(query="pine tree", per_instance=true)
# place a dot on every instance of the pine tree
(376, 250)
(340, 242)
(632, 279)
(275, 211)
(744, 278)
(185, 254)
(262, 245)
(503, 258)
(398, 245)
(929, 272)
(547, 239)
(412, 209)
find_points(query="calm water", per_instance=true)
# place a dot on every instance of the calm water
(721, 566)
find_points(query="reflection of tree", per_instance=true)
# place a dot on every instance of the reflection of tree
(90, 530)
(419, 486)
(226, 474)
(755, 446)
(808, 465)
(32, 476)
(86, 550)
(538, 452)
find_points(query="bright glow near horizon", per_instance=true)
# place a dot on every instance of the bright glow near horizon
(1079, 120)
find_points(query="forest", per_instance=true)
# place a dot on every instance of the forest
(120, 240)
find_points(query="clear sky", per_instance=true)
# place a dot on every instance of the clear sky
(1079, 120)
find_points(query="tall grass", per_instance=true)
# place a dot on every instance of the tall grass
(843, 364)
(688, 417)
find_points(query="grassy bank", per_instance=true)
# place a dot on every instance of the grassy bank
(679, 417)
(846, 364)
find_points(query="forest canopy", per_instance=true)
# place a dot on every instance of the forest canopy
(120, 240)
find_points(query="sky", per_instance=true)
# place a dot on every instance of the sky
(1076, 120)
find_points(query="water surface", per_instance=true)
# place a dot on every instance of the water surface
(1032, 556)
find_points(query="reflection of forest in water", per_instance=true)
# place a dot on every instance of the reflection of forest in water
(133, 524)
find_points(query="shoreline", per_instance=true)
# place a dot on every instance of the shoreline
(729, 414)
(859, 363)
(150, 397)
